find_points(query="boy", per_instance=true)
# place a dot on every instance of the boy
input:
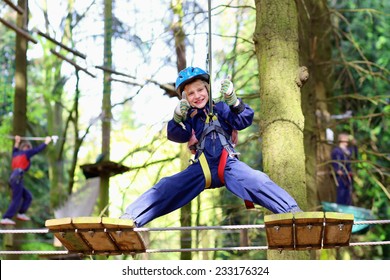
(215, 164)
(21, 196)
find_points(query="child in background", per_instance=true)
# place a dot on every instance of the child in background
(21, 196)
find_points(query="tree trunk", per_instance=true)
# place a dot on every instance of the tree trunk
(55, 121)
(20, 99)
(11, 241)
(315, 52)
(281, 118)
(321, 56)
(315, 46)
(181, 63)
(106, 106)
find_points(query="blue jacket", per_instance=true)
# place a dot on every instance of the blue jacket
(21, 159)
(342, 160)
(229, 118)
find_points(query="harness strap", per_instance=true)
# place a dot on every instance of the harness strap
(212, 125)
(206, 170)
(221, 176)
(221, 166)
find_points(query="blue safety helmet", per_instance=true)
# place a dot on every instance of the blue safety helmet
(188, 75)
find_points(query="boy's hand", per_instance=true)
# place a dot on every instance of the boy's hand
(227, 90)
(17, 139)
(181, 109)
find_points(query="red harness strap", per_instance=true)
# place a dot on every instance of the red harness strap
(221, 171)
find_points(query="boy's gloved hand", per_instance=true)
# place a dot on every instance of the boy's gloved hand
(227, 90)
(47, 140)
(181, 109)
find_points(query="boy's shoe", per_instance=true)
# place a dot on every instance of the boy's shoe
(23, 217)
(7, 221)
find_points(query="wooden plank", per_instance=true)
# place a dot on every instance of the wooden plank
(338, 228)
(92, 231)
(64, 231)
(126, 240)
(280, 232)
(95, 235)
(309, 229)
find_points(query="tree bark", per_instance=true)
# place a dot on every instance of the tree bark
(106, 106)
(281, 118)
(20, 99)
(315, 53)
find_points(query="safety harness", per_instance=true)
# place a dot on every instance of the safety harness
(212, 125)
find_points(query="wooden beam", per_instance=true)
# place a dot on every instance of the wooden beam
(126, 82)
(17, 8)
(78, 67)
(18, 30)
(106, 69)
(61, 45)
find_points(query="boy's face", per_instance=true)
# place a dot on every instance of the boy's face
(26, 147)
(197, 94)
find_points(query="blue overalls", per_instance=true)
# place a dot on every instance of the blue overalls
(173, 192)
(21, 197)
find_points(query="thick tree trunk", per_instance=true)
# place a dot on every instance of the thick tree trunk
(321, 56)
(13, 242)
(281, 118)
(315, 52)
(20, 99)
(315, 46)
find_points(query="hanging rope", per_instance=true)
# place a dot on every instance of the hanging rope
(210, 61)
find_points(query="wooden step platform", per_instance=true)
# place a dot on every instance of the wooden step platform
(97, 236)
(308, 230)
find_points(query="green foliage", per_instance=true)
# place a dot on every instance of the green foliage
(362, 53)
(35, 246)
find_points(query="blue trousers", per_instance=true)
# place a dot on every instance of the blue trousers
(173, 192)
(344, 190)
(21, 197)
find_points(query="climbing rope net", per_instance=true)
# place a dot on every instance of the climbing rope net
(198, 228)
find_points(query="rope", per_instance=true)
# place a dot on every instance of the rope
(234, 227)
(230, 227)
(371, 222)
(249, 248)
(34, 252)
(210, 61)
(151, 251)
(370, 243)
(4, 231)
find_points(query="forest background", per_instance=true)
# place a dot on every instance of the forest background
(109, 96)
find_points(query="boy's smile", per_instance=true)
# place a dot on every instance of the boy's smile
(197, 94)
